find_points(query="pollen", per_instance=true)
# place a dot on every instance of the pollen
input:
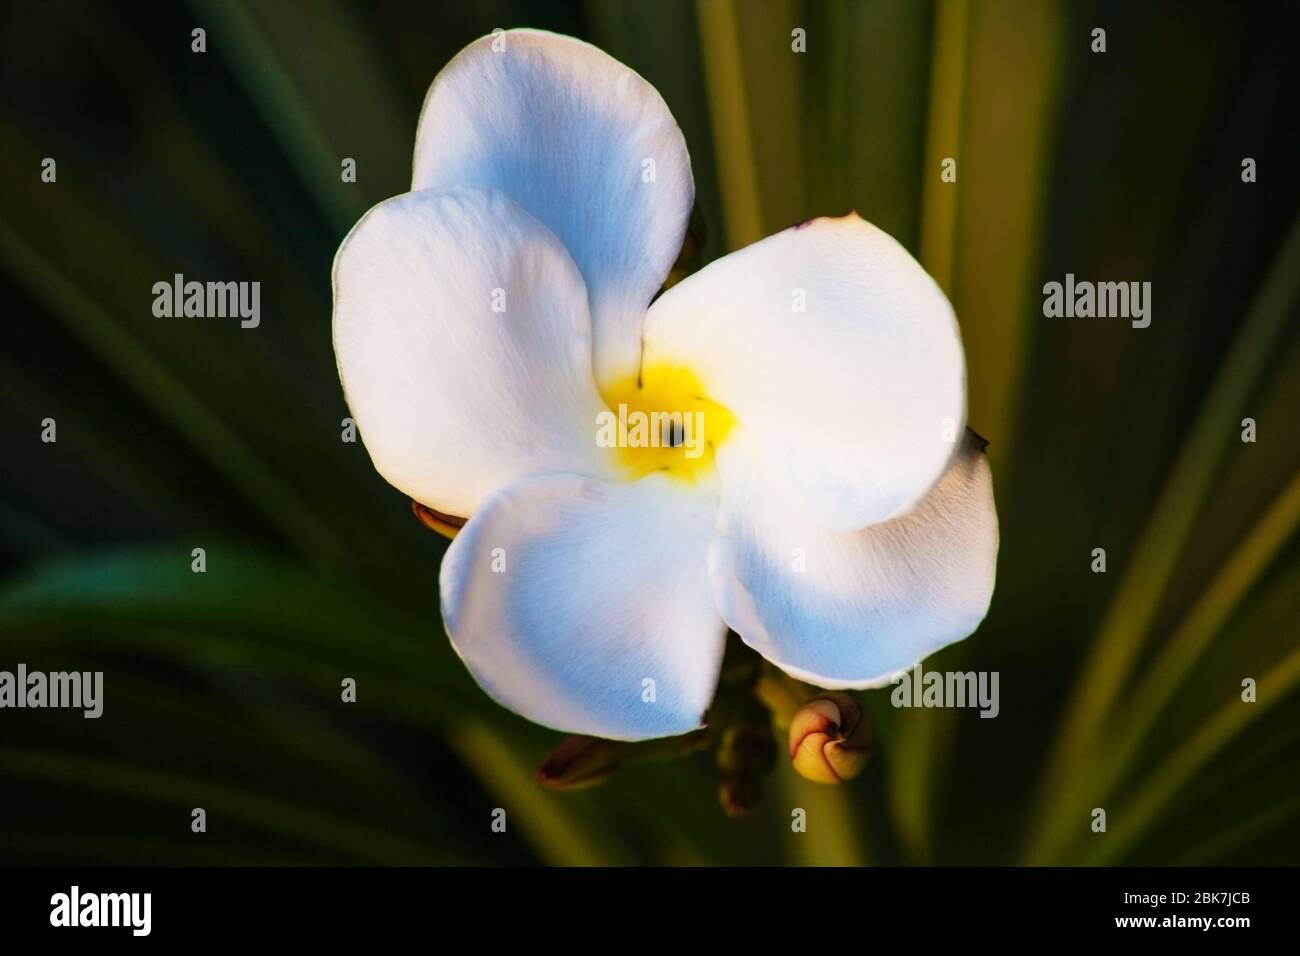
(662, 421)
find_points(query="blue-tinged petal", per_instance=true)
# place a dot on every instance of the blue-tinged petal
(585, 606)
(584, 144)
(834, 347)
(463, 343)
(851, 609)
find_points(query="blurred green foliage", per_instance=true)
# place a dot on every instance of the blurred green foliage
(1118, 690)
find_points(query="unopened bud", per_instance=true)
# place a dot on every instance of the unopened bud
(830, 739)
(739, 793)
(579, 762)
(747, 749)
(746, 752)
(446, 525)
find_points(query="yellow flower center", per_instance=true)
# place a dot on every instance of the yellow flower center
(662, 423)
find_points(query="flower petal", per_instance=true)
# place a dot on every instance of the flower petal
(572, 135)
(851, 609)
(453, 399)
(564, 596)
(859, 401)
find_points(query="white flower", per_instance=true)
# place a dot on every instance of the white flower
(840, 519)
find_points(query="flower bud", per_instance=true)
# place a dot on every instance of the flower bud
(578, 762)
(446, 525)
(747, 749)
(739, 793)
(746, 752)
(830, 738)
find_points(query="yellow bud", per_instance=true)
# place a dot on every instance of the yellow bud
(446, 525)
(830, 739)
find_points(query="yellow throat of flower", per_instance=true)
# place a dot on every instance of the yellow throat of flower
(662, 423)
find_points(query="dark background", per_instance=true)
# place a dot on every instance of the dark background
(1119, 690)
